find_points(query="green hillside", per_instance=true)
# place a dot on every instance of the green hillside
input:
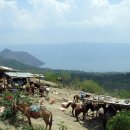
(108, 81)
(20, 66)
(21, 56)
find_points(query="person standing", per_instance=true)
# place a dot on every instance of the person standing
(82, 94)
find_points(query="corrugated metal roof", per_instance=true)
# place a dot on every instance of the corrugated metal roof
(23, 75)
(6, 69)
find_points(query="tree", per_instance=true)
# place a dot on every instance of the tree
(119, 122)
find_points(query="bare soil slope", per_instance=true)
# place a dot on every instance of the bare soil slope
(61, 95)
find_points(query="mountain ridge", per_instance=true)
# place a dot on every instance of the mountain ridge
(21, 56)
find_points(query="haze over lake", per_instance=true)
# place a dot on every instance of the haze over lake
(80, 56)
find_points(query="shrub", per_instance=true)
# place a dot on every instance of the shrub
(120, 122)
(62, 126)
(121, 93)
(7, 102)
(91, 86)
(33, 128)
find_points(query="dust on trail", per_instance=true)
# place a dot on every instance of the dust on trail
(58, 115)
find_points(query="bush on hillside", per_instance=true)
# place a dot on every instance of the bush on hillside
(122, 93)
(51, 76)
(120, 122)
(91, 86)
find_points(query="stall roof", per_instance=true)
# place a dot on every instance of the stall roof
(109, 100)
(23, 75)
(6, 69)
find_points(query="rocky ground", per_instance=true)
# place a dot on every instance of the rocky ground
(60, 96)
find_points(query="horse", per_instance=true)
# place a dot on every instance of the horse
(77, 97)
(73, 106)
(78, 110)
(42, 113)
(32, 89)
(93, 107)
(109, 112)
(27, 89)
(86, 106)
(44, 89)
(36, 84)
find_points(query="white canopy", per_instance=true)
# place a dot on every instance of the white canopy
(6, 69)
(23, 75)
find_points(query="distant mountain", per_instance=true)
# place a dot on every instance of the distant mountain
(20, 66)
(20, 56)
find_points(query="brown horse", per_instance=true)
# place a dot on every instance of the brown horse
(78, 110)
(73, 106)
(32, 89)
(44, 90)
(42, 113)
(85, 107)
(77, 97)
(93, 107)
(109, 112)
(36, 84)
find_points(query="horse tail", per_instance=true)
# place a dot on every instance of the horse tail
(68, 104)
(50, 121)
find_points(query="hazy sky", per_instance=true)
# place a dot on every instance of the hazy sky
(64, 21)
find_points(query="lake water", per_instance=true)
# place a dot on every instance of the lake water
(90, 57)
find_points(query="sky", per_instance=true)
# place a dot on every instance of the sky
(64, 21)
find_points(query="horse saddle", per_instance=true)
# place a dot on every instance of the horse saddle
(35, 108)
(34, 115)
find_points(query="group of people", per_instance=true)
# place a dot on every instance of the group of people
(43, 90)
(21, 84)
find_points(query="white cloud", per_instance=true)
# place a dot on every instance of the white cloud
(49, 13)
(7, 4)
(44, 13)
(7, 10)
(100, 2)
(103, 14)
(40, 15)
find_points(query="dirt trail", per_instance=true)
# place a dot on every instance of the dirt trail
(58, 115)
